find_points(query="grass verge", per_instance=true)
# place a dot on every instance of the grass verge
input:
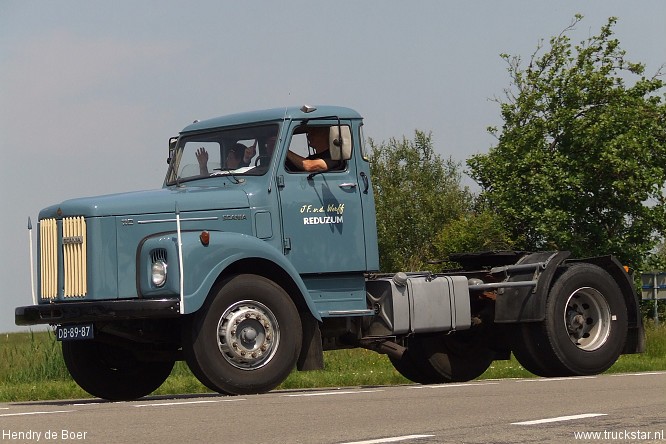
(31, 369)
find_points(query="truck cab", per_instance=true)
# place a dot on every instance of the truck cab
(314, 221)
(259, 252)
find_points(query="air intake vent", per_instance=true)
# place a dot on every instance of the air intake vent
(159, 254)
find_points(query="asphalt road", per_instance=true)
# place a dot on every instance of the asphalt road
(609, 408)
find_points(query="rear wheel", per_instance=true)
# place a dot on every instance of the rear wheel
(585, 328)
(458, 357)
(414, 365)
(247, 340)
(527, 342)
(443, 358)
(111, 372)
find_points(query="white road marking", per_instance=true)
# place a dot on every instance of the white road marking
(639, 374)
(36, 413)
(392, 439)
(434, 386)
(559, 418)
(502, 379)
(333, 393)
(207, 401)
(567, 378)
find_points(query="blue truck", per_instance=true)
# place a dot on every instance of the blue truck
(246, 266)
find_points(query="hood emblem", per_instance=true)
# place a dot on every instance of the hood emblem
(72, 240)
(234, 217)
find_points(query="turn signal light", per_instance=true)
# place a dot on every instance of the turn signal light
(204, 237)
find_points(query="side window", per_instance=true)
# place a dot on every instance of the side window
(364, 148)
(312, 149)
(299, 145)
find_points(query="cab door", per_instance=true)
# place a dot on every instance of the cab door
(322, 217)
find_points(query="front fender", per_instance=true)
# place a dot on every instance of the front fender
(203, 264)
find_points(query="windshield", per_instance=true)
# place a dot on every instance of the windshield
(238, 151)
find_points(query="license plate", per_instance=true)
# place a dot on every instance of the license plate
(74, 332)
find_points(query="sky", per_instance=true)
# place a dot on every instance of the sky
(91, 91)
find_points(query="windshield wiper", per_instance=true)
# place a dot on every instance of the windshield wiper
(225, 172)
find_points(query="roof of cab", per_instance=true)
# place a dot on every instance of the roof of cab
(274, 114)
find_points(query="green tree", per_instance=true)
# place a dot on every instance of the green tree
(417, 193)
(477, 230)
(657, 259)
(580, 162)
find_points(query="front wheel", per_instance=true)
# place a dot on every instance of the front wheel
(111, 372)
(247, 339)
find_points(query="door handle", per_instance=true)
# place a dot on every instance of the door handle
(347, 185)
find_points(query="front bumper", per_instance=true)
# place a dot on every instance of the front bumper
(116, 310)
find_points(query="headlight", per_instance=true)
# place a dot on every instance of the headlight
(159, 273)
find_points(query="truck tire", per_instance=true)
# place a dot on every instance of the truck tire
(585, 327)
(457, 357)
(415, 366)
(441, 358)
(111, 372)
(246, 339)
(525, 348)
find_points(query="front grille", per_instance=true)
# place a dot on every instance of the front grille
(73, 240)
(48, 235)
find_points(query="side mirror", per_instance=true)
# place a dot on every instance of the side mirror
(340, 142)
(172, 148)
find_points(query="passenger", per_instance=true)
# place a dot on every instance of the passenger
(202, 158)
(238, 156)
(248, 153)
(265, 155)
(235, 156)
(270, 145)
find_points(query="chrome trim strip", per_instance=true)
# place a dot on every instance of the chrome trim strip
(185, 219)
(350, 312)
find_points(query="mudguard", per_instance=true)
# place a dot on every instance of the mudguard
(203, 264)
(528, 304)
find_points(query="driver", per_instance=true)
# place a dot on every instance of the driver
(321, 159)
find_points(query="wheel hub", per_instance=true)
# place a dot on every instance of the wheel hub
(587, 317)
(248, 335)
